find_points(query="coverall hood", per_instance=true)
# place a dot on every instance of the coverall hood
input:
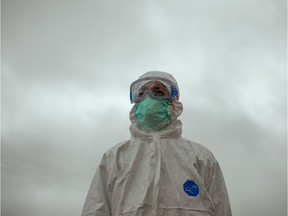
(165, 78)
(161, 74)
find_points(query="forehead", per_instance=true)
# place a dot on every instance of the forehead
(153, 84)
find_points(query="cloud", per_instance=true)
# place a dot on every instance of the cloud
(67, 68)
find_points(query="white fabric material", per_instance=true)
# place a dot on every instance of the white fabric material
(144, 176)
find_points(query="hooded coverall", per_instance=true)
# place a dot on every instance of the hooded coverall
(158, 174)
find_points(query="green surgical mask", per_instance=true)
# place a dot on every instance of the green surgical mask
(152, 114)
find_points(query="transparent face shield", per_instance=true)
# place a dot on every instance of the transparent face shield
(156, 87)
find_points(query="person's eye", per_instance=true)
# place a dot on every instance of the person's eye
(140, 94)
(159, 93)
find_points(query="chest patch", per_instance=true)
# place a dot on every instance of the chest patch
(191, 188)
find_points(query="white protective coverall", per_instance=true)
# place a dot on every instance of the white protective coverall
(158, 174)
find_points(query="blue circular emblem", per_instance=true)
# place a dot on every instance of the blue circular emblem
(191, 188)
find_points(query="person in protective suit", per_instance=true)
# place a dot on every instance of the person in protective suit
(157, 172)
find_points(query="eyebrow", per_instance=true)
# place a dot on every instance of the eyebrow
(159, 84)
(160, 87)
(144, 88)
(156, 86)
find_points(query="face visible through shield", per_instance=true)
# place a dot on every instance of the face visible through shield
(155, 89)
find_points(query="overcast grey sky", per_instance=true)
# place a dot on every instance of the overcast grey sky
(66, 71)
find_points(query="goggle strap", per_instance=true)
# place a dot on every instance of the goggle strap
(174, 91)
(131, 97)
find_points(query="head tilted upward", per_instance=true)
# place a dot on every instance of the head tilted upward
(153, 77)
(156, 98)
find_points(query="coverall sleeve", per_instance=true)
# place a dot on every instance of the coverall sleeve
(97, 202)
(218, 192)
